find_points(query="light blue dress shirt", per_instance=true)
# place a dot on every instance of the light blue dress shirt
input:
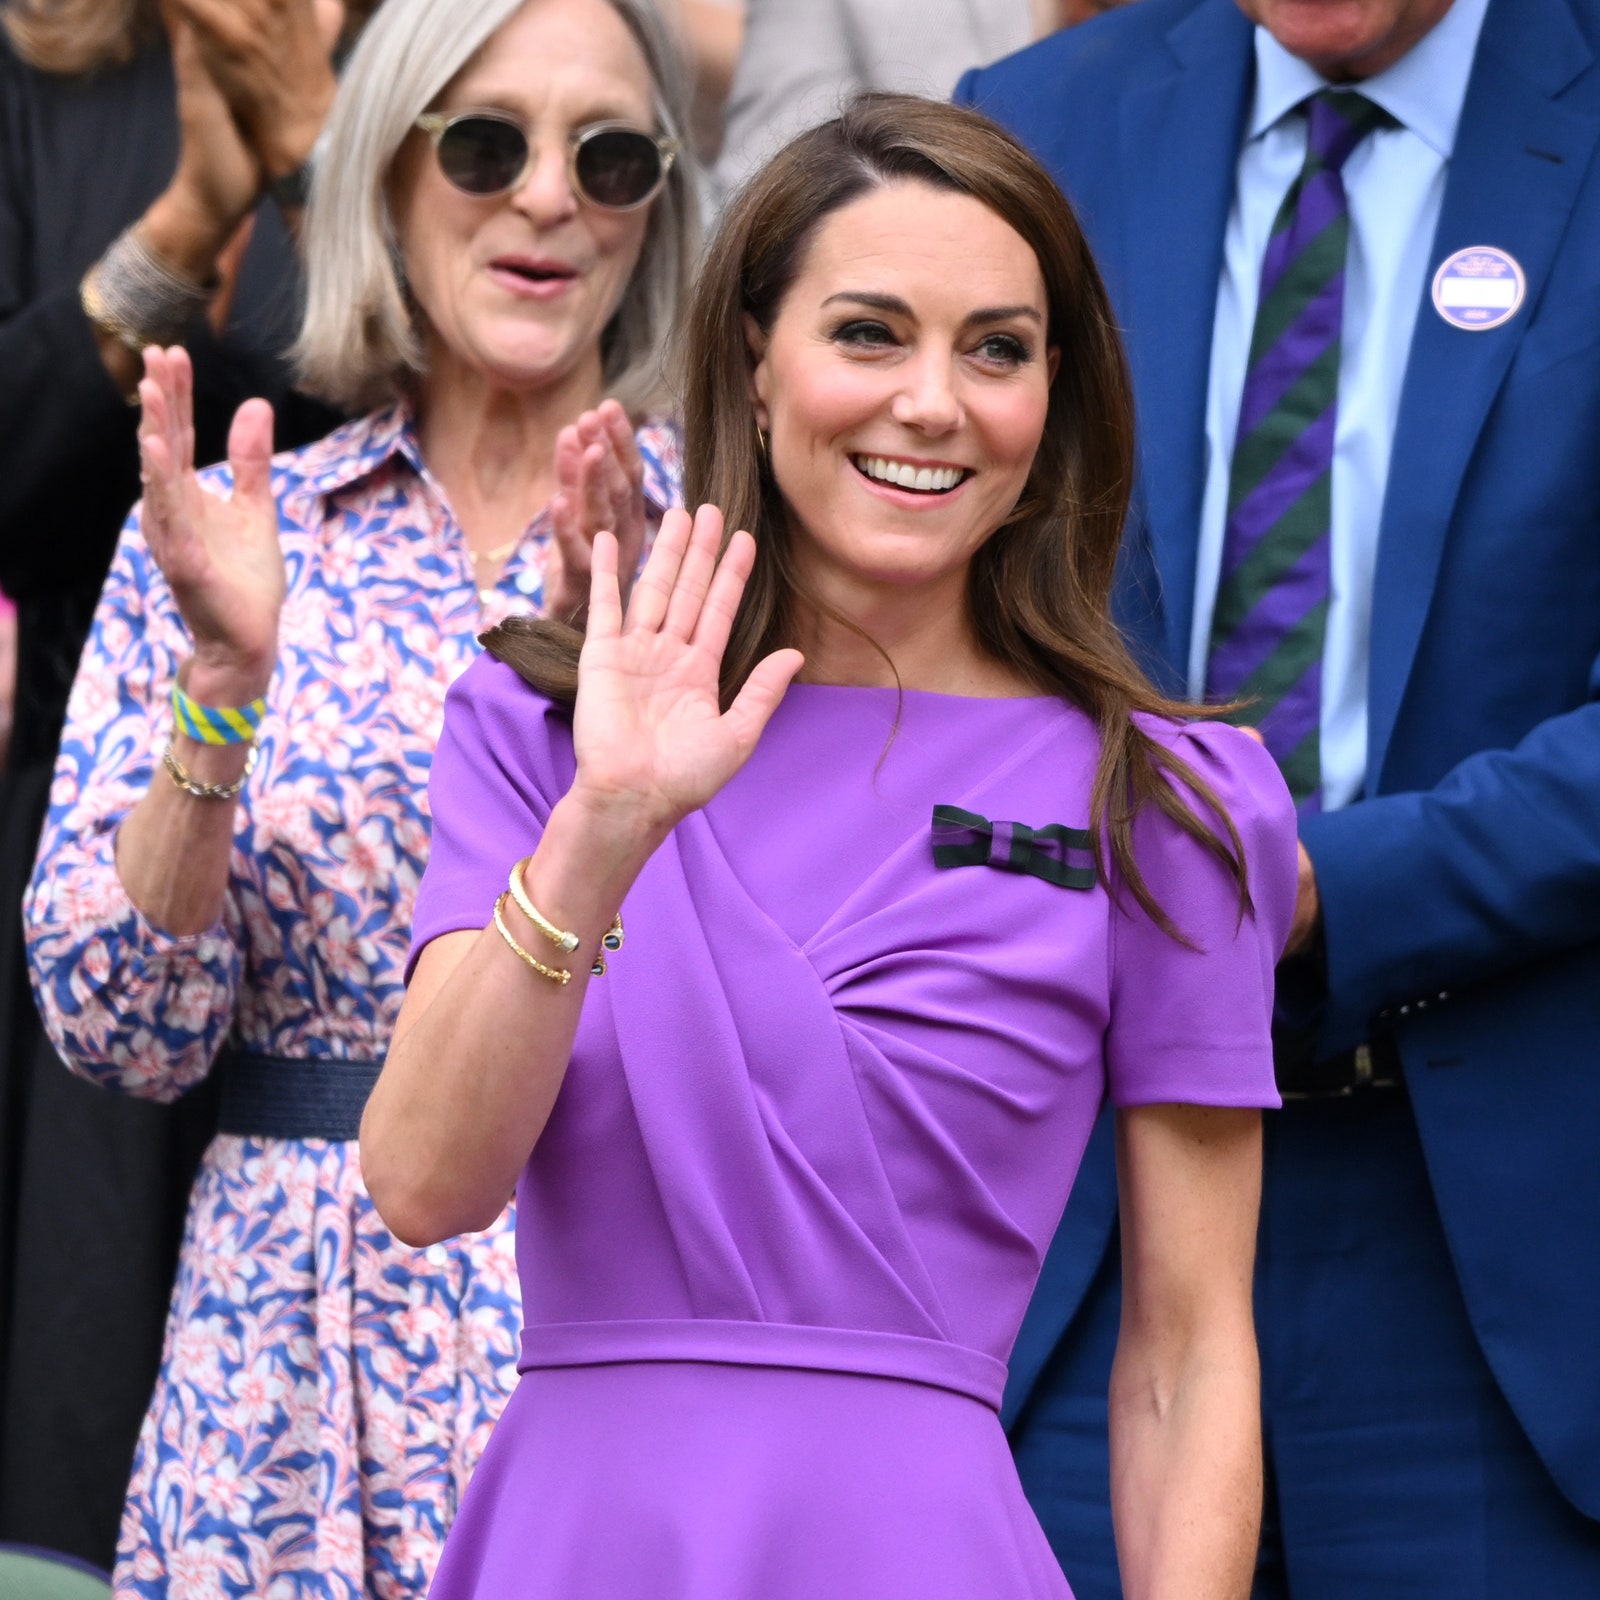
(1395, 183)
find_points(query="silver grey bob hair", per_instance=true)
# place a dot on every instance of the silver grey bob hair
(359, 342)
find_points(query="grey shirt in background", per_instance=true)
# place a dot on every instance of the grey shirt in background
(803, 58)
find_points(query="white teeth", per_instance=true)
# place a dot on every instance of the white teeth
(925, 480)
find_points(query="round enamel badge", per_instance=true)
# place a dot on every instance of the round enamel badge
(1479, 288)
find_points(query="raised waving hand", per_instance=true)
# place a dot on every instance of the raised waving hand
(652, 740)
(219, 553)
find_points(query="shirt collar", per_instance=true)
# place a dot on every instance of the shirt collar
(1423, 91)
(360, 449)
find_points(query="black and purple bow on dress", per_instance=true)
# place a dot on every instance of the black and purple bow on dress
(1055, 853)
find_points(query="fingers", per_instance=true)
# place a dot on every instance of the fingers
(605, 598)
(567, 535)
(618, 430)
(569, 460)
(622, 497)
(568, 564)
(653, 592)
(597, 511)
(754, 704)
(250, 453)
(695, 574)
(162, 461)
(217, 18)
(155, 468)
(609, 462)
(152, 397)
(181, 396)
(715, 621)
(330, 18)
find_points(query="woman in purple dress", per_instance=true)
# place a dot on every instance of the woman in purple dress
(916, 870)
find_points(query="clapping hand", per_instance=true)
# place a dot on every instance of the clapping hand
(600, 486)
(651, 738)
(218, 172)
(219, 553)
(273, 60)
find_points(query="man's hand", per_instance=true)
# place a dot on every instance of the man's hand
(1307, 903)
(1307, 907)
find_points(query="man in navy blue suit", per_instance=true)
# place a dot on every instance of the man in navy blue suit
(1355, 247)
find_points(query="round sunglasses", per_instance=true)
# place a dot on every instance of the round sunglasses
(609, 164)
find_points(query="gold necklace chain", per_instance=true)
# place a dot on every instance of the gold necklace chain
(494, 557)
(500, 551)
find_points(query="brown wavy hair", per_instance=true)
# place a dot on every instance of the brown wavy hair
(1039, 590)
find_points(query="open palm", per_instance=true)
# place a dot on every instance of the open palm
(648, 728)
(220, 554)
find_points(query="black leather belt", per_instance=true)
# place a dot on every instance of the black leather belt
(284, 1097)
(1375, 1065)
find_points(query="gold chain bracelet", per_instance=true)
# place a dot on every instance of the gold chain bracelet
(208, 791)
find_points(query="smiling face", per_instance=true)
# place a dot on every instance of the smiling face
(903, 387)
(519, 287)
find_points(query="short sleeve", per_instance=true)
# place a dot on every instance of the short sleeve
(504, 759)
(1192, 1023)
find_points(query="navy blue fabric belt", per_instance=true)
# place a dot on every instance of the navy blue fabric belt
(283, 1097)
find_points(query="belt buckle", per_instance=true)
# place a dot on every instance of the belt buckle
(1358, 1070)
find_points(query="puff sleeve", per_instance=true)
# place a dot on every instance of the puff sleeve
(1192, 1023)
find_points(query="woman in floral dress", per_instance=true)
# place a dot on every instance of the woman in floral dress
(325, 1391)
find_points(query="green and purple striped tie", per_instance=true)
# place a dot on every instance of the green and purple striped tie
(1272, 598)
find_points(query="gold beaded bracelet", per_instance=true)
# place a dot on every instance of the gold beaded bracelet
(559, 975)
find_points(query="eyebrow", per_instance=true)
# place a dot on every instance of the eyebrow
(895, 306)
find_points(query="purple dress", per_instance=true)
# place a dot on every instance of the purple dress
(819, 1126)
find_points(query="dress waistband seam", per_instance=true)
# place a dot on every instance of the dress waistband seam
(861, 1351)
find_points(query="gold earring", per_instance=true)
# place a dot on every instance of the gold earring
(761, 441)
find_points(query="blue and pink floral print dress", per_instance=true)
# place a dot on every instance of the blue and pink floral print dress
(325, 1391)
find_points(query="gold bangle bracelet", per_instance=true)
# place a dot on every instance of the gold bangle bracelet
(558, 975)
(563, 941)
(610, 940)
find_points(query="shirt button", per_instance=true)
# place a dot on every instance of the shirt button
(438, 1255)
(529, 581)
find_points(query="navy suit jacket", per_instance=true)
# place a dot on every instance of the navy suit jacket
(1461, 893)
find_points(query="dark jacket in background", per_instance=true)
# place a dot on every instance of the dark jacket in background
(93, 1187)
(1461, 893)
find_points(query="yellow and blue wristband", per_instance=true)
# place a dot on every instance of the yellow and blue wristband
(217, 724)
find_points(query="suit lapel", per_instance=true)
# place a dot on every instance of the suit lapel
(1179, 156)
(1519, 159)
